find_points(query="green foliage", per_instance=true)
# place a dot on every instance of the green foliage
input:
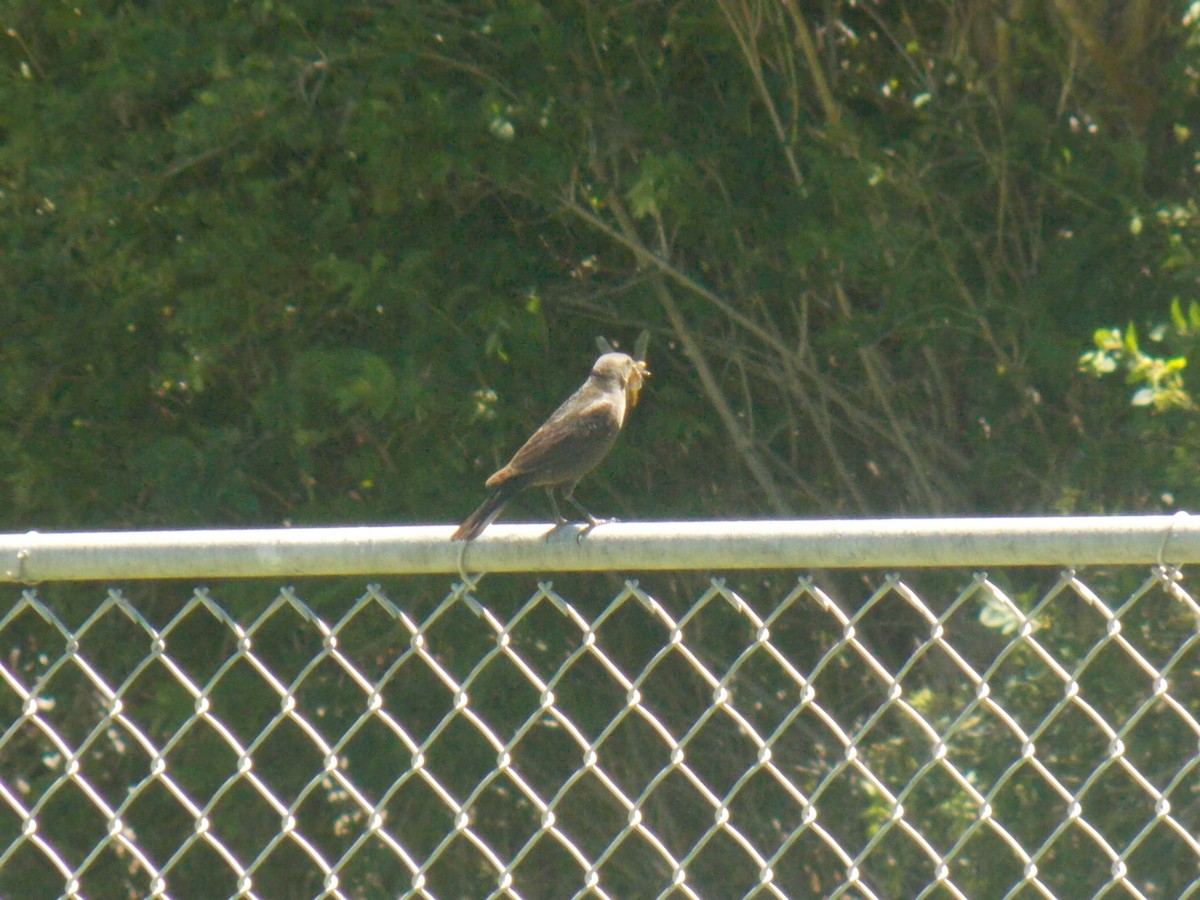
(198, 200)
(293, 261)
(1160, 379)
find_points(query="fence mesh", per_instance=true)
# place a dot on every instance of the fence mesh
(940, 734)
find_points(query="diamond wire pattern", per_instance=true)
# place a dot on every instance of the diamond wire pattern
(1036, 744)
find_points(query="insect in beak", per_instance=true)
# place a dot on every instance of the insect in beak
(637, 377)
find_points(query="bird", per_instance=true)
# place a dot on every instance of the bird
(568, 445)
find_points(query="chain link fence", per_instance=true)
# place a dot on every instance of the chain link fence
(798, 726)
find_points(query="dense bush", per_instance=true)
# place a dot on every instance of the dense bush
(288, 261)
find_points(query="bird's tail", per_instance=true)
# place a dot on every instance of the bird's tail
(474, 524)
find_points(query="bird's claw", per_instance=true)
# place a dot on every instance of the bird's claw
(592, 522)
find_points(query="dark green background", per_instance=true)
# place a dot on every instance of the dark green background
(271, 262)
(287, 262)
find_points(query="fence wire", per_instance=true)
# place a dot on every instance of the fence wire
(936, 733)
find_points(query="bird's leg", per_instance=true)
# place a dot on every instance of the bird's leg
(569, 495)
(559, 518)
(591, 520)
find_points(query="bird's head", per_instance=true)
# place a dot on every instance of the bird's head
(625, 371)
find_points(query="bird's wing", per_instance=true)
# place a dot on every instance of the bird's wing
(567, 447)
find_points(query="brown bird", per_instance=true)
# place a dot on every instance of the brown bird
(568, 445)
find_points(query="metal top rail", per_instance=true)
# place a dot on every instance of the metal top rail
(642, 546)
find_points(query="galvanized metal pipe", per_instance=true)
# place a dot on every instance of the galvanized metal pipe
(632, 547)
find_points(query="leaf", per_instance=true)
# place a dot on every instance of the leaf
(642, 199)
(1099, 362)
(999, 615)
(1177, 317)
(1131, 342)
(1143, 397)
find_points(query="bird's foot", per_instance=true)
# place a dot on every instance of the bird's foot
(559, 525)
(593, 522)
